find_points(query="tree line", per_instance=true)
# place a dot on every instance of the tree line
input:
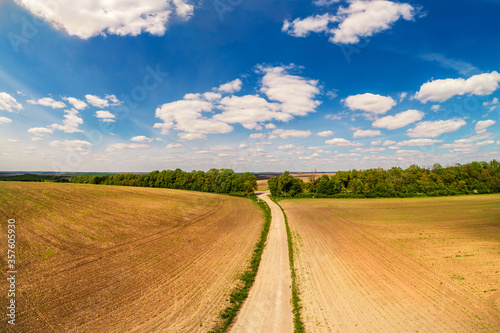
(222, 181)
(470, 178)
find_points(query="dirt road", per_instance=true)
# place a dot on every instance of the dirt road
(268, 307)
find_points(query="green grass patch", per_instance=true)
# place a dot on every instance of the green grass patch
(298, 324)
(240, 293)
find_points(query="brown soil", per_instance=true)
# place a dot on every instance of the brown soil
(112, 259)
(392, 265)
(268, 307)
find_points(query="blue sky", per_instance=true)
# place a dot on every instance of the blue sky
(248, 85)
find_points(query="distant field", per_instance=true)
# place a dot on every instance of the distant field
(114, 259)
(398, 265)
(262, 179)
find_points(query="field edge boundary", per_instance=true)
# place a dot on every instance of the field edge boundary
(298, 324)
(247, 278)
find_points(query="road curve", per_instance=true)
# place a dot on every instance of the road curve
(268, 307)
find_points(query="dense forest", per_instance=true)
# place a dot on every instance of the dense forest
(471, 178)
(223, 181)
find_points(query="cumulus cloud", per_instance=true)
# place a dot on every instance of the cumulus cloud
(230, 87)
(443, 90)
(70, 123)
(141, 138)
(325, 133)
(369, 150)
(258, 136)
(371, 103)
(86, 19)
(9, 103)
(5, 120)
(399, 120)
(287, 134)
(249, 110)
(481, 126)
(41, 131)
(97, 101)
(289, 147)
(431, 129)
(48, 101)
(303, 27)
(105, 116)
(341, 142)
(77, 104)
(71, 145)
(418, 142)
(348, 25)
(366, 133)
(120, 147)
(173, 146)
(186, 116)
(295, 93)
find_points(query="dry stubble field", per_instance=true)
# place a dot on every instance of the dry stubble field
(114, 259)
(398, 265)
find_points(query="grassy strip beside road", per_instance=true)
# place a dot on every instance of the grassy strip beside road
(297, 320)
(247, 279)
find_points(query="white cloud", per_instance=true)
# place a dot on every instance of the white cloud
(303, 27)
(366, 18)
(388, 143)
(186, 116)
(173, 146)
(366, 133)
(249, 110)
(295, 93)
(289, 147)
(41, 131)
(120, 147)
(443, 90)
(460, 66)
(371, 103)
(105, 116)
(325, 133)
(48, 101)
(114, 101)
(222, 148)
(230, 87)
(114, 17)
(258, 136)
(436, 108)
(360, 19)
(431, 129)
(13, 140)
(263, 143)
(418, 142)
(8, 103)
(270, 126)
(141, 138)
(399, 120)
(97, 101)
(325, 2)
(481, 126)
(5, 120)
(485, 143)
(369, 150)
(71, 145)
(70, 123)
(341, 142)
(77, 104)
(376, 143)
(286, 134)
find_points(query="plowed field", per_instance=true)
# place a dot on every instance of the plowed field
(113, 259)
(398, 265)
